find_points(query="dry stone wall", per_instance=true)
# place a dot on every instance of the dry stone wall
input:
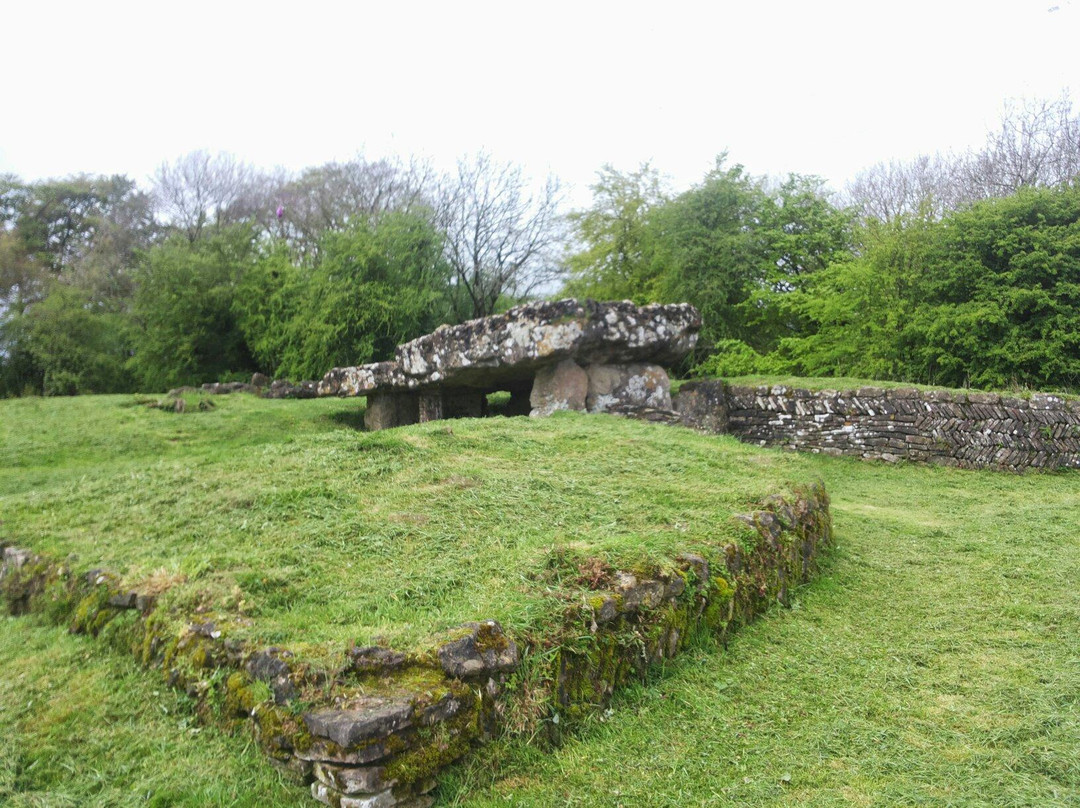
(970, 430)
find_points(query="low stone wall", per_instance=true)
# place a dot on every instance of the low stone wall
(375, 729)
(971, 430)
(634, 620)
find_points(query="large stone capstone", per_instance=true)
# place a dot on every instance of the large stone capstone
(565, 354)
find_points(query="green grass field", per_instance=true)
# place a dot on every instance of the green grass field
(935, 662)
(81, 725)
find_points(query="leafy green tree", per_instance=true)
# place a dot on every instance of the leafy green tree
(187, 330)
(79, 347)
(1004, 299)
(732, 357)
(21, 280)
(19, 373)
(709, 251)
(377, 283)
(713, 250)
(269, 305)
(858, 311)
(616, 261)
(734, 245)
(82, 232)
(60, 221)
(802, 233)
(985, 297)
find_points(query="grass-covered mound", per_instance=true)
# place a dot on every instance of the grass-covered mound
(934, 663)
(285, 524)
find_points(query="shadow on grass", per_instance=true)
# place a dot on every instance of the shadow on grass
(353, 419)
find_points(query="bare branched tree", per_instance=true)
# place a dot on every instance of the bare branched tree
(502, 235)
(1037, 144)
(200, 190)
(887, 190)
(333, 195)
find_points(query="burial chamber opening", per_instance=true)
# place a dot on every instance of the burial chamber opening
(390, 409)
(562, 385)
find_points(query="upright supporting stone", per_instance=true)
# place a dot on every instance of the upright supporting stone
(703, 405)
(563, 386)
(622, 388)
(431, 406)
(387, 410)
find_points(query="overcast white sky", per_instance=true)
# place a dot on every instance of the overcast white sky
(822, 87)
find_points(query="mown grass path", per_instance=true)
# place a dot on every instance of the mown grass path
(937, 662)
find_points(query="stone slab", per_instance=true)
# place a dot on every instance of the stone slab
(507, 350)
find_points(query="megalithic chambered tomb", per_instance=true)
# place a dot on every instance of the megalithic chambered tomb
(558, 355)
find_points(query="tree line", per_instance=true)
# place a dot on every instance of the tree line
(952, 269)
(220, 270)
(955, 269)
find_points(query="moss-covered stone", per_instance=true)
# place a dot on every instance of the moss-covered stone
(439, 744)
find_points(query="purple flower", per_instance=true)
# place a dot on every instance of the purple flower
(280, 211)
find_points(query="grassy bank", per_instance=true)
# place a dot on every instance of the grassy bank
(285, 524)
(934, 664)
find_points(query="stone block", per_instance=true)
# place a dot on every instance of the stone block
(15, 558)
(699, 566)
(353, 779)
(446, 706)
(482, 651)
(123, 600)
(375, 659)
(441, 403)
(637, 594)
(267, 666)
(329, 796)
(329, 752)
(607, 610)
(371, 718)
(562, 386)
